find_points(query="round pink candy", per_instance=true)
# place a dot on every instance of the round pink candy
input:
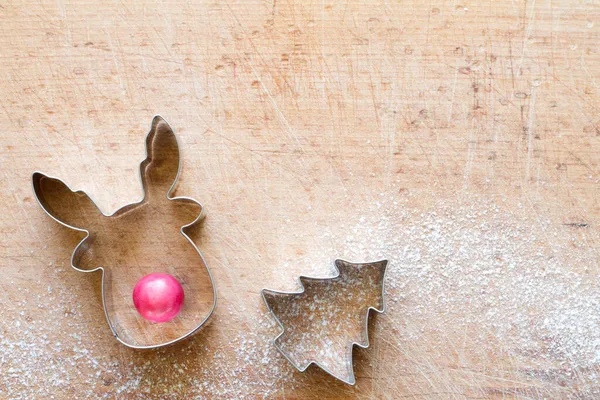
(158, 297)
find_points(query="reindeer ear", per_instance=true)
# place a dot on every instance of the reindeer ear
(71, 208)
(159, 170)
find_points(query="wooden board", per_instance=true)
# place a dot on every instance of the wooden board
(458, 140)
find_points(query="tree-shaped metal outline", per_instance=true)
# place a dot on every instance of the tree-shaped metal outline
(349, 364)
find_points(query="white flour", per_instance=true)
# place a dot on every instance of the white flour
(470, 287)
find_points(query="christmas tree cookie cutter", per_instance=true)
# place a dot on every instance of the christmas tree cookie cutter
(317, 326)
(138, 239)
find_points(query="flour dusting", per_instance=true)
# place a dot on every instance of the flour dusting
(510, 285)
(472, 288)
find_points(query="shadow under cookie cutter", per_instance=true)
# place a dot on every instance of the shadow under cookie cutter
(121, 234)
(344, 271)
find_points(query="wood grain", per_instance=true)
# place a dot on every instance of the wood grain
(298, 122)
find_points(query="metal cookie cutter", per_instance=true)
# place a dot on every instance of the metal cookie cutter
(322, 322)
(138, 239)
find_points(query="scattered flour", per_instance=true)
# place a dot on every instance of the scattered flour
(525, 291)
(513, 284)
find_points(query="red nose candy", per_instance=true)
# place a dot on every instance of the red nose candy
(158, 297)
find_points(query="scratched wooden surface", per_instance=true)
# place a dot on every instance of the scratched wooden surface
(295, 118)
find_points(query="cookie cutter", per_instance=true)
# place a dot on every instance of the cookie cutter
(83, 246)
(269, 296)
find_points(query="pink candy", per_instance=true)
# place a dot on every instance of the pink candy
(158, 297)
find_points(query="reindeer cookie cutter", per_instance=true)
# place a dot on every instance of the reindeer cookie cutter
(282, 305)
(114, 243)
